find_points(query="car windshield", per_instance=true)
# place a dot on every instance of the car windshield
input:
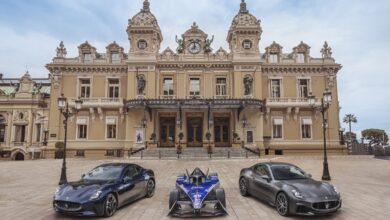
(110, 172)
(287, 172)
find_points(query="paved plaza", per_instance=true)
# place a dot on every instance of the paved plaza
(27, 187)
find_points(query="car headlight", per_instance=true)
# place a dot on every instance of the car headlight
(297, 194)
(336, 190)
(57, 191)
(95, 195)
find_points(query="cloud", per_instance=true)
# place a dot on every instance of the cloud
(357, 31)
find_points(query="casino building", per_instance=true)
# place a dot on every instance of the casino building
(193, 94)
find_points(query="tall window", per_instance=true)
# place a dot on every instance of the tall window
(277, 128)
(82, 128)
(85, 88)
(2, 128)
(300, 57)
(20, 133)
(249, 137)
(115, 58)
(87, 58)
(113, 88)
(38, 128)
(111, 128)
(221, 86)
(273, 58)
(194, 86)
(306, 128)
(303, 87)
(275, 88)
(168, 86)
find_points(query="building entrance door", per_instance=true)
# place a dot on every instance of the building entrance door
(167, 131)
(221, 131)
(194, 131)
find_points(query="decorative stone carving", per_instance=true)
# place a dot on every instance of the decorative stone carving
(248, 81)
(221, 54)
(87, 48)
(141, 83)
(326, 51)
(180, 45)
(61, 51)
(114, 48)
(55, 79)
(207, 47)
(168, 54)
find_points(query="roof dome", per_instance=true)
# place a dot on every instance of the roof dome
(144, 18)
(244, 18)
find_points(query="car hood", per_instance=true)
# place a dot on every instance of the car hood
(197, 193)
(80, 190)
(310, 188)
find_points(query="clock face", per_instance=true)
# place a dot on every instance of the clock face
(194, 47)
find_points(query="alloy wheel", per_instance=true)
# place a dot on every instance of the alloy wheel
(150, 188)
(282, 204)
(110, 205)
(243, 187)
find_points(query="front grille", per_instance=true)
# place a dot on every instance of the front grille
(325, 205)
(68, 206)
(303, 209)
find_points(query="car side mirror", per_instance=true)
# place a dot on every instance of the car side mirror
(127, 179)
(266, 177)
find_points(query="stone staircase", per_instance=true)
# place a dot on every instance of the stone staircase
(193, 153)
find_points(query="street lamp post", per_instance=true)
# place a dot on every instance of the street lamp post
(325, 103)
(63, 106)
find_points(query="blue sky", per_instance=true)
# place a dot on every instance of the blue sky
(358, 32)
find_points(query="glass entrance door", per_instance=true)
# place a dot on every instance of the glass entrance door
(221, 131)
(167, 131)
(194, 131)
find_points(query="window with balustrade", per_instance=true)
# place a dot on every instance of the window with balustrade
(303, 87)
(115, 58)
(111, 128)
(275, 89)
(168, 89)
(194, 86)
(221, 86)
(82, 127)
(85, 88)
(113, 88)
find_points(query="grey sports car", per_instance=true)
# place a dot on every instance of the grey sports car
(289, 189)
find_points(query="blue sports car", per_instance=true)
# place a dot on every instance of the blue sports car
(104, 189)
(197, 194)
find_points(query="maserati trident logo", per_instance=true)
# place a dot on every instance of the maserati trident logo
(67, 198)
(327, 205)
(66, 205)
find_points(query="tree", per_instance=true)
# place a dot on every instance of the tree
(349, 119)
(375, 136)
(351, 135)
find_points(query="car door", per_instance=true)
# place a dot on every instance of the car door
(130, 185)
(262, 187)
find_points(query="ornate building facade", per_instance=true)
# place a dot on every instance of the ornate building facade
(23, 116)
(193, 95)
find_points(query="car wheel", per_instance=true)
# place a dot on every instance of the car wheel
(243, 187)
(173, 197)
(282, 204)
(220, 194)
(110, 205)
(150, 186)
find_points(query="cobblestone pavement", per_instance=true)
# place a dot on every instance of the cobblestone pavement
(27, 187)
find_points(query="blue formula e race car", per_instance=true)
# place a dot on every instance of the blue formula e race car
(197, 194)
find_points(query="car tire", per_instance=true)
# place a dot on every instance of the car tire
(243, 185)
(220, 194)
(150, 187)
(173, 197)
(110, 205)
(282, 204)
